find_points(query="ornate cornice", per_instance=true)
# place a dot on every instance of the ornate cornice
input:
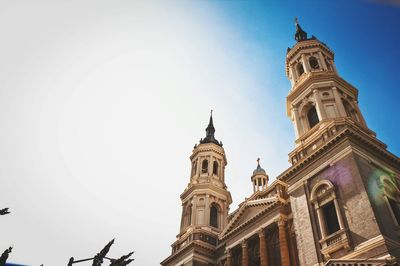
(206, 188)
(349, 133)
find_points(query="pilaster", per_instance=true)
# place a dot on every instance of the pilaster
(245, 253)
(283, 244)
(319, 106)
(228, 257)
(339, 102)
(263, 249)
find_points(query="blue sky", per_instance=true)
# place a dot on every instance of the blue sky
(101, 103)
(364, 35)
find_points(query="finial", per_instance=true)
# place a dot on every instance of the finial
(210, 130)
(258, 161)
(300, 35)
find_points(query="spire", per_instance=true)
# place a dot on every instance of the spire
(210, 130)
(300, 35)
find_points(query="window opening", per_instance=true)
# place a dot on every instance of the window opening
(300, 69)
(215, 168)
(314, 63)
(312, 117)
(214, 216)
(330, 217)
(204, 166)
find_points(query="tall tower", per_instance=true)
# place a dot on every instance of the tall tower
(343, 182)
(319, 98)
(205, 204)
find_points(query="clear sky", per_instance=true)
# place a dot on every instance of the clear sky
(101, 103)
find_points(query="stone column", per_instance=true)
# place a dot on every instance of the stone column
(263, 249)
(245, 253)
(183, 217)
(228, 257)
(298, 128)
(207, 210)
(283, 244)
(210, 163)
(293, 71)
(339, 103)
(292, 79)
(194, 210)
(305, 63)
(199, 163)
(224, 215)
(319, 106)
(321, 222)
(322, 60)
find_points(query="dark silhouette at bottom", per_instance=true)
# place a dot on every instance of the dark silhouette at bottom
(99, 258)
(4, 256)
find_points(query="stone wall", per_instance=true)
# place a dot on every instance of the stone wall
(303, 229)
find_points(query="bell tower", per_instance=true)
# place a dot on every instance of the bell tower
(205, 204)
(341, 209)
(319, 98)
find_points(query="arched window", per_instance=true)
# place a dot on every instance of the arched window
(314, 63)
(330, 220)
(312, 117)
(214, 215)
(324, 199)
(300, 69)
(215, 168)
(204, 166)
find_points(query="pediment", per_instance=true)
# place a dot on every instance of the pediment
(247, 212)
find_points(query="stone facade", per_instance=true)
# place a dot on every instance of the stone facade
(337, 204)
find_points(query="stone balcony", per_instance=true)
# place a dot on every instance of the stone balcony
(334, 242)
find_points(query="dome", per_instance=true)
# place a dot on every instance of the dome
(259, 170)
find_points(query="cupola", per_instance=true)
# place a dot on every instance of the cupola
(259, 178)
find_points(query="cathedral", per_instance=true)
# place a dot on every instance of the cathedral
(338, 204)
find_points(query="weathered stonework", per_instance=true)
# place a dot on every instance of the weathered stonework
(337, 204)
(303, 228)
